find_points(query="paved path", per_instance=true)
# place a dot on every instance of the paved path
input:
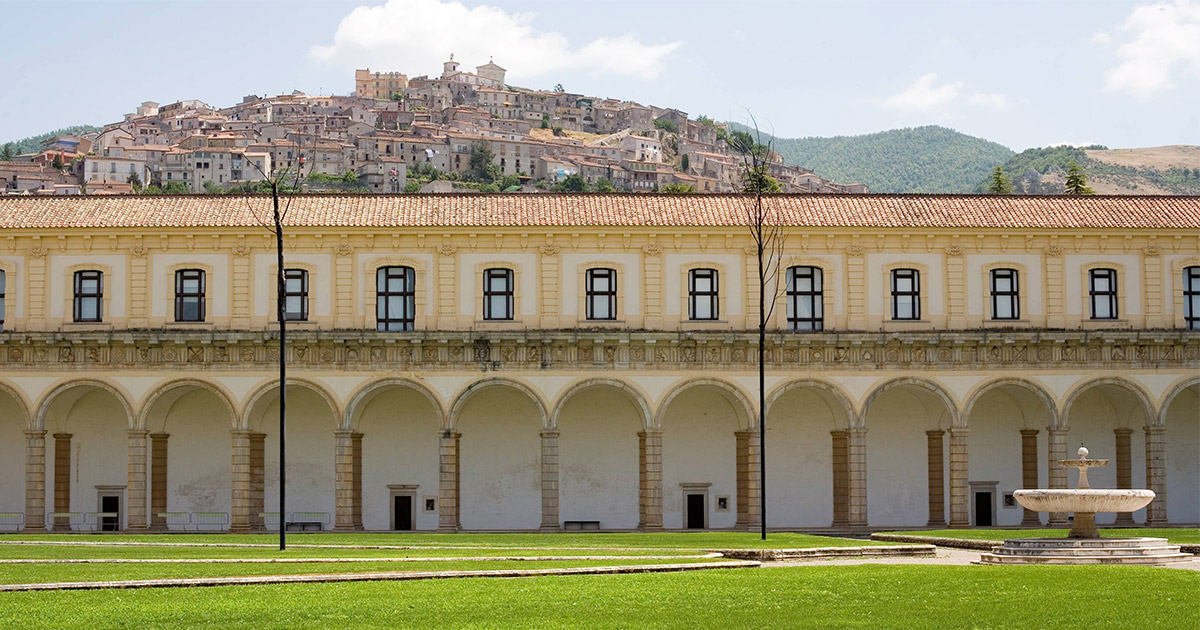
(943, 556)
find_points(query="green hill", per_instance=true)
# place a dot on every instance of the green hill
(1170, 170)
(34, 143)
(927, 159)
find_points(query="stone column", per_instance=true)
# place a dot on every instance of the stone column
(239, 508)
(1124, 471)
(257, 443)
(158, 480)
(35, 481)
(356, 443)
(960, 472)
(135, 482)
(937, 478)
(650, 480)
(62, 477)
(1156, 474)
(1029, 473)
(841, 478)
(749, 499)
(345, 500)
(1058, 474)
(857, 472)
(550, 481)
(448, 483)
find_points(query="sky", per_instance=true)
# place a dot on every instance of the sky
(1021, 73)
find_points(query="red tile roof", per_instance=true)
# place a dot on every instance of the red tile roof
(466, 210)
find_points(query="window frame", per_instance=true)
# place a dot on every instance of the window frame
(182, 296)
(816, 295)
(406, 321)
(1111, 294)
(914, 293)
(79, 296)
(1013, 294)
(713, 295)
(1191, 297)
(302, 294)
(508, 293)
(591, 295)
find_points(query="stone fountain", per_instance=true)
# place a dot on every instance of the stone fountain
(1083, 544)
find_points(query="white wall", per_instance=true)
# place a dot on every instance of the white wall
(598, 459)
(199, 452)
(994, 446)
(800, 459)
(699, 446)
(1091, 420)
(898, 457)
(400, 447)
(12, 455)
(99, 447)
(500, 461)
(1183, 458)
(310, 451)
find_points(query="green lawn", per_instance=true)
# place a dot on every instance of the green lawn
(299, 551)
(1176, 535)
(663, 540)
(868, 596)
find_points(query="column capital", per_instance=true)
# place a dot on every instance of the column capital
(62, 436)
(159, 436)
(935, 433)
(840, 433)
(650, 433)
(1030, 432)
(1123, 431)
(959, 431)
(1056, 431)
(137, 433)
(549, 433)
(447, 434)
(1154, 429)
(857, 430)
(746, 433)
(35, 434)
(345, 433)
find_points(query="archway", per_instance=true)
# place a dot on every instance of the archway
(399, 422)
(190, 452)
(499, 456)
(1108, 416)
(598, 424)
(908, 476)
(1008, 444)
(1181, 417)
(700, 421)
(807, 455)
(14, 420)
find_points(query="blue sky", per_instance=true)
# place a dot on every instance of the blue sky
(1123, 74)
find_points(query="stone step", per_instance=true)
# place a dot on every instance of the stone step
(988, 558)
(1084, 543)
(1111, 551)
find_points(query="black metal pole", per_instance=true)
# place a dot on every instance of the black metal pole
(281, 307)
(762, 381)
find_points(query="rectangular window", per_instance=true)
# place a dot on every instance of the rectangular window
(1006, 303)
(89, 296)
(295, 295)
(395, 299)
(498, 294)
(703, 295)
(1102, 289)
(1191, 297)
(189, 295)
(805, 299)
(906, 294)
(602, 294)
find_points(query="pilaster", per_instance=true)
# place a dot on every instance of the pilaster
(956, 294)
(857, 482)
(652, 291)
(937, 477)
(346, 503)
(343, 268)
(239, 517)
(960, 489)
(448, 483)
(550, 282)
(139, 292)
(62, 477)
(37, 286)
(1056, 314)
(135, 483)
(1156, 316)
(35, 481)
(241, 286)
(447, 283)
(650, 481)
(550, 481)
(1058, 474)
(1124, 470)
(749, 499)
(841, 478)
(158, 480)
(1156, 474)
(856, 292)
(1029, 473)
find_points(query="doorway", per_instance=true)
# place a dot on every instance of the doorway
(402, 512)
(110, 506)
(694, 517)
(983, 509)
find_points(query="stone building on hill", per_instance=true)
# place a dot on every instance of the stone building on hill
(524, 362)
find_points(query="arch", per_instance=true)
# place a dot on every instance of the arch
(1129, 387)
(1030, 386)
(838, 394)
(220, 392)
(929, 386)
(460, 400)
(43, 408)
(272, 385)
(1172, 394)
(630, 391)
(22, 403)
(365, 392)
(734, 394)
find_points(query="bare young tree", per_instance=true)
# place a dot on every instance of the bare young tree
(762, 217)
(276, 182)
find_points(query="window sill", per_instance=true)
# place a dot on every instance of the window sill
(1004, 322)
(907, 321)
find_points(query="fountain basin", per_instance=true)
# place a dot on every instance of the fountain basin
(1084, 500)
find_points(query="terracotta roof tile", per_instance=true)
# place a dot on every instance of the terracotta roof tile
(465, 210)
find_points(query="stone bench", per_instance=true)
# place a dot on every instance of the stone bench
(581, 525)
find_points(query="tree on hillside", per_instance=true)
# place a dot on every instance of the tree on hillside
(7, 153)
(571, 183)
(1076, 181)
(678, 189)
(481, 157)
(1000, 184)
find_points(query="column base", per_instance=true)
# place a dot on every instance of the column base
(550, 529)
(1031, 522)
(346, 529)
(241, 530)
(38, 529)
(650, 528)
(1124, 519)
(956, 525)
(445, 529)
(933, 524)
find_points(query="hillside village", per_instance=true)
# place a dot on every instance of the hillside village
(458, 130)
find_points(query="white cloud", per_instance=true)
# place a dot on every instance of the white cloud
(416, 36)
(924, 95)
(1101, 38)
(1162, 37)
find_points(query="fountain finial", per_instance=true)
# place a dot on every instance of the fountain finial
(1083, 452)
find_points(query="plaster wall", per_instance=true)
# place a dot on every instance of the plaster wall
(500, 461)
(799, 459)
(897, 457)
(310, 451)
(199, 451)
(1183, 457)
(598, 459)
(1091, 421)
(699, 446)
(12, 455)
(399, 447)
(994, 446)
(99, 448)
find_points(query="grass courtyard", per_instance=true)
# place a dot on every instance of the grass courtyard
(774, 596)
(1174, 535)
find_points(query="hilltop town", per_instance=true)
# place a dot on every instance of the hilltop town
(459, 130)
